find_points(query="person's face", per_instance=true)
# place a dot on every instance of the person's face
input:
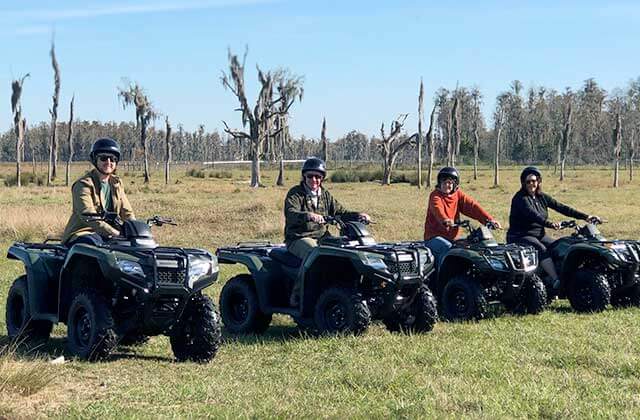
(531, 184)
(313, 180)
(106, 163)
(447, 185)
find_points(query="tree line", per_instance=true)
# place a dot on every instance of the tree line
(587, 125)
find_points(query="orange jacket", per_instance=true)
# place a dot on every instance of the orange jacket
(449, 206)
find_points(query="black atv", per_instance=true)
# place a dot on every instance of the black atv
(477, 272)
(595, 271)
(123, 291)
(346, 282)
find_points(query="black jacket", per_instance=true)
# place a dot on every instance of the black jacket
(299, 204)
(529, 215)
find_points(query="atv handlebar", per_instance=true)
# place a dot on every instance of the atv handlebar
(338, 221)
(467, 224)
(159, 221)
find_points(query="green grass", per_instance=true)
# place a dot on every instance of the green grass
(555, 365)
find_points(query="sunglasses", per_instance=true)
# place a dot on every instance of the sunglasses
(104, 158)
(313, 176)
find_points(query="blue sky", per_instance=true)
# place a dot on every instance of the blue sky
(362, 60)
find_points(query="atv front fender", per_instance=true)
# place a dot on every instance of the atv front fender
(42, 269)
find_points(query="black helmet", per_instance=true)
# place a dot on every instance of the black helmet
(314, 164)
(104, 145)
(530, 170)
(449, 172)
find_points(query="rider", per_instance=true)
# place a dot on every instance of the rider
(529, 217)
(99, 190)
(446, 202)
(305, 208)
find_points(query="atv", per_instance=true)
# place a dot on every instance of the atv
(477, 272)
(595, 271)
(122, 291)
(346, 282)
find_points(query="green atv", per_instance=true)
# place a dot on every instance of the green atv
(477, 272)
(123, 291)
(346, 282)
(595, 271)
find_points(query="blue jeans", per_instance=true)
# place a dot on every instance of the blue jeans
(90, 239)
(439, 247)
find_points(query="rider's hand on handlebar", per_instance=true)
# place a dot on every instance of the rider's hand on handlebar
(494, 224)
(594, 219)
(556, 225)
(364, 217)
(317, 218)
(448, 223)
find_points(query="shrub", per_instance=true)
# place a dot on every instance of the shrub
(25, 179)
(195, 173)
(221, 174)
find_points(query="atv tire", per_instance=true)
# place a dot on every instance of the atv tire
(420, 316)
(196, 336)
(630, 297)
(90, 327)
(240, 308)
(589, 291)
(532, 298)
(20, 327)
(341, 310)
(463, 300)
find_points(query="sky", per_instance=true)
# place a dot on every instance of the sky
(362, 61)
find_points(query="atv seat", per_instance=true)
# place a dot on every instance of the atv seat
(284, 257)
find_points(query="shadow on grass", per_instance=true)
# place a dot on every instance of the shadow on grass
(56, 347)
(274, 334)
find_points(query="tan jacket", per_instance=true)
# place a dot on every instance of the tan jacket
(86, 199)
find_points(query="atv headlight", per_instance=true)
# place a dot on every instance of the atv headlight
(198, 267)
(425, 259)
(130, 267)
(497, 264)
(375, 261)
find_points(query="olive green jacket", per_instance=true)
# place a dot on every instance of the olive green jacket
(299, 204)
(86, 199)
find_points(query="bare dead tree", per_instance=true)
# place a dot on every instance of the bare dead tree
(431, 149)
(167, 150)
(19, 123)
(455, 118)
(132, 94)
(260, 118)
(476, 101)
(617, 148)
(69, 143)
(324, 141)
(499, 121)
(566, 136)
(289, 89)
(450, 146)
(53, 143)
(392, 144)
(420, 137)
(632, 152)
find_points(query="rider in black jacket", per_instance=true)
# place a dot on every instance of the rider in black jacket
(529, 217)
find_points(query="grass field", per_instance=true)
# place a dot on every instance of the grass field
(555, 365)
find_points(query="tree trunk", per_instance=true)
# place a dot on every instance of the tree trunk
(431, 145)
(69, 144)
(496, 165)
(420, 118)
(455, 112)
(280, 181)
(167, 151)
(617, 142)
(325, 142)
(476, 147)
(53, 145)
(145, 153)
(19, 143)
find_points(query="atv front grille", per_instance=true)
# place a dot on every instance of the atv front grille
(171, 276)
(404, 267)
